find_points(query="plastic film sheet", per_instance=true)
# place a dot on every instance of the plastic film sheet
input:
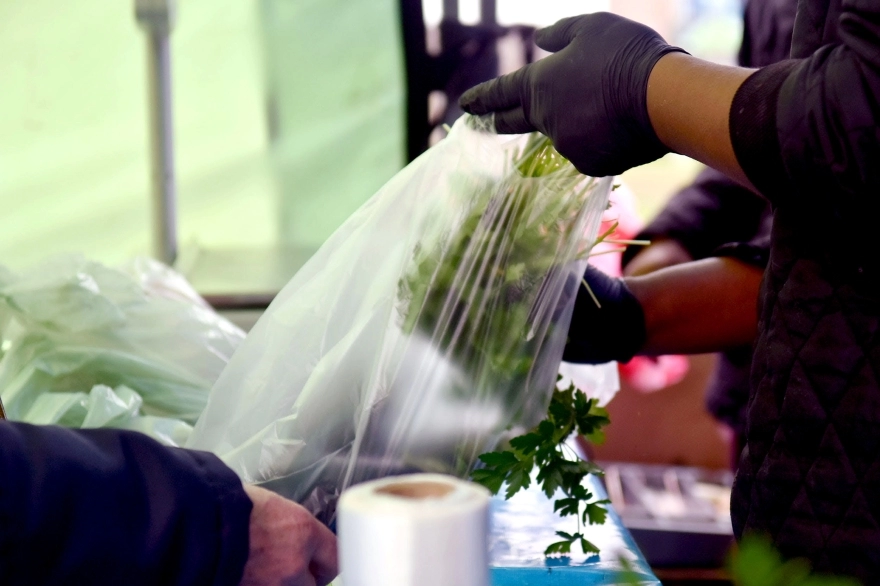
(85, 345)
(430, 323)
(523, 526)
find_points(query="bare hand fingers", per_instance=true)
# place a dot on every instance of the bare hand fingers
(325, 563)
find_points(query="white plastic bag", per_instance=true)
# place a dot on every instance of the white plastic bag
(429, 323)
(85, 345)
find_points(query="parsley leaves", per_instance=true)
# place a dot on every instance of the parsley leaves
(543, 447)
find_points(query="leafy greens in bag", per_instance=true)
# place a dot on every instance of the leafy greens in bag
(430, 323)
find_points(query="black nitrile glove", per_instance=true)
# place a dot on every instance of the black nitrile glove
(614, 331)
(590, 97)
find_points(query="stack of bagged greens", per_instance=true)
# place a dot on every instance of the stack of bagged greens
(85, 345)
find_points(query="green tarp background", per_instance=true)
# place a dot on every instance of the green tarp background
(73, 129)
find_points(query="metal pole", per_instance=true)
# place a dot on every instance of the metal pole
(488, 11)
(450, 10)
(157, 19)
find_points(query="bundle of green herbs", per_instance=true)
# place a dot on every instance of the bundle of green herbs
(559, 468)
(491, 295)
(481, 294)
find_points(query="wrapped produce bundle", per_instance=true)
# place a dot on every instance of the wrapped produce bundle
(86, 345)
(432, 321)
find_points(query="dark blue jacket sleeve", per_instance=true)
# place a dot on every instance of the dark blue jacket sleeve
(108, 507)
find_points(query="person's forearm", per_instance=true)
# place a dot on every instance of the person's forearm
(661, 253)
(689, 106)
(701, 306)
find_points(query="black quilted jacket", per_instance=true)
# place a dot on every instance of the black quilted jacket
(807, 133)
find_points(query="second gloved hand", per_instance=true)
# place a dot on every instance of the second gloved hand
(590, 97)
(612, 330)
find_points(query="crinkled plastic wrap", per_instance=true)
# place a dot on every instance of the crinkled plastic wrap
(85, 345)
(433, 320)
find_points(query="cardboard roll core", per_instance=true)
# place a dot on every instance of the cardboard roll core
(416, 490)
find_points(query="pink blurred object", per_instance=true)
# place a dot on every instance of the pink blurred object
(648, 374)
(643, 373)
(622, 210)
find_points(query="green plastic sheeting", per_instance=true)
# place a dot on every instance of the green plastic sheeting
(74, 164)
(335, 79)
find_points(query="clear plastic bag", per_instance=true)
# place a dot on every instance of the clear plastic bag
(85, 345)
(433, 320)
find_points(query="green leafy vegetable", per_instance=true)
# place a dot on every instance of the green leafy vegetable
(481, 292)
(488, 293)
(757, 563)
(543, 447)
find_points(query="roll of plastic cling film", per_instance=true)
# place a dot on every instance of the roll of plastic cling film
(415, 530)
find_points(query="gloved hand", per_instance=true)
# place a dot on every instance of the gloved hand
(614, 331)
(590, 97)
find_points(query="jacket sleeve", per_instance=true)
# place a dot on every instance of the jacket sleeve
(811, 126)
(710, 212)
(108, 507)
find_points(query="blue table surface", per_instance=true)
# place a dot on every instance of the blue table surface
(526, 524)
